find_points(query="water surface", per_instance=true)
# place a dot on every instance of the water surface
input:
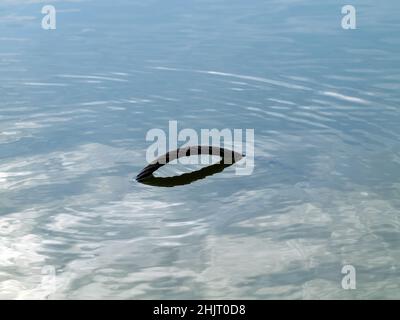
(75, 106)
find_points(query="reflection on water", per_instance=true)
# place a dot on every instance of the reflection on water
(185, 178)
(75, 106)
(199, 154)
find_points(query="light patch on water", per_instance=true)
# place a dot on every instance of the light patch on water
(345, 97)
(44, 84)
(91, 77)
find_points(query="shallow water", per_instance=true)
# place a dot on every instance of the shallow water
(75, 106)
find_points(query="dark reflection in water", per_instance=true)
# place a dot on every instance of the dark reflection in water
(186, 178)
(228, 157)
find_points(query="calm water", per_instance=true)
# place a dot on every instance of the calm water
(77, 102)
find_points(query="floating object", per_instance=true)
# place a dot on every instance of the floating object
(228, 157)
